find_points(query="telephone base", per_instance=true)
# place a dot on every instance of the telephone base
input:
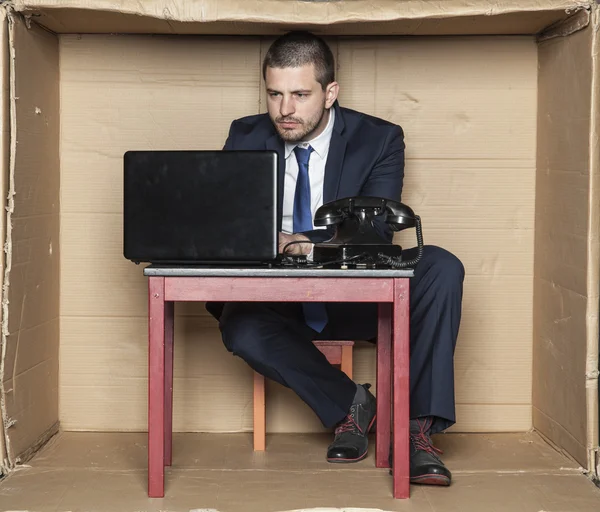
(353, 254)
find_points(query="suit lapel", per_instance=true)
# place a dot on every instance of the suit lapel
(275, 143)
(335, 158)
(333, 167)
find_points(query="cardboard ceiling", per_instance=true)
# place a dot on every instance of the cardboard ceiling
(334, 17)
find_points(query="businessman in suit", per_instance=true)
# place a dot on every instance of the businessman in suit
(328, 152)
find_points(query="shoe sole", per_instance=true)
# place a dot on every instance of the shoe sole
(432, 479)
(363, 456)
(346, 461)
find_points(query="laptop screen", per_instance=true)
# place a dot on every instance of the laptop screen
(200, 206)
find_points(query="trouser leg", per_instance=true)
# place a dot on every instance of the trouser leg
(274, 340)
(435, 312)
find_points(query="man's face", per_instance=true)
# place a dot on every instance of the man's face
(297, 103)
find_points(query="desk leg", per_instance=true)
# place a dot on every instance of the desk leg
(156, 387)
(400, 389)
(384, 385)
(169, 328)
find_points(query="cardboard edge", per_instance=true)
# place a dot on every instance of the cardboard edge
(593, 264)
(28, 454)
(211, 12)
(578, 21)
(4, 163)
(569, 446)
(8, 230)
(556, 447)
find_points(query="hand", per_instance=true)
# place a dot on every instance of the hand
(296, 248)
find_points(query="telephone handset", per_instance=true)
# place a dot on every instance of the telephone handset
(356, 241)
(398, 215)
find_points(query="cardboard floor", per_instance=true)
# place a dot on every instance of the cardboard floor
(107, 472)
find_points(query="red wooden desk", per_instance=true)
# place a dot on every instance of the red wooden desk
(389, 288)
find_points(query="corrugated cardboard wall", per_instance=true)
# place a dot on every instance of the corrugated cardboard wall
(468, 107)
(30, 377)
(561, 245)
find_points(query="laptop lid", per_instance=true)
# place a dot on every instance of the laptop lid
(200, 206)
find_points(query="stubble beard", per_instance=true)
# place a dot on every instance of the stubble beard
(304, 130)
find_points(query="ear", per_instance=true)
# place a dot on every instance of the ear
(331, 94)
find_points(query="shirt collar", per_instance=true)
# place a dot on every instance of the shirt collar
(320, 144)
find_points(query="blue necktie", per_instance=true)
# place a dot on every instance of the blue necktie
(315, 313)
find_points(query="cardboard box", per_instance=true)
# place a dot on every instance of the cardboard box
(499, 102)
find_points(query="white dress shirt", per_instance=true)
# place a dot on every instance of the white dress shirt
(316, 174)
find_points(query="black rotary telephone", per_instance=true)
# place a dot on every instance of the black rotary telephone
(356, 242)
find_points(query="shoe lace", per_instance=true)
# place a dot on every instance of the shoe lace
(421, 439)
(348, 424)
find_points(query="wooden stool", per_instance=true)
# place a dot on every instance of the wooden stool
(336, 352)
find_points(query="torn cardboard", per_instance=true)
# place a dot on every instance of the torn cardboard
(593, 283)
(30, 323)
(4, 166)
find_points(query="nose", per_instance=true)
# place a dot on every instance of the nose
(287, 106)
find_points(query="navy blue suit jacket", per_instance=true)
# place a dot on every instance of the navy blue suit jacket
(366, 158)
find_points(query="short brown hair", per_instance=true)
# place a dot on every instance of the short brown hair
(298, 48)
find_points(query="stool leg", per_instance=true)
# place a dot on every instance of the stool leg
(169, 327)
(400, 372)
(384, 385)
(347, 360)
(156, 387)
(259, 412)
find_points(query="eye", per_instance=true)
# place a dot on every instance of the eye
(273, 94)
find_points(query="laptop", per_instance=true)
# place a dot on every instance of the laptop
(200, 207)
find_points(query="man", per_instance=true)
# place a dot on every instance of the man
(327, 152)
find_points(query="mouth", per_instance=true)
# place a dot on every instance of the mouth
(288, 125)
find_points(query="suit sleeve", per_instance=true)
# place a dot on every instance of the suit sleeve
(387, 177)
(230, 142)
(319, 235)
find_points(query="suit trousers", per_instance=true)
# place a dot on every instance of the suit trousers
(274, 340)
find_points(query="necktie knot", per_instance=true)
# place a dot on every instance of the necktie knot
(303, 154)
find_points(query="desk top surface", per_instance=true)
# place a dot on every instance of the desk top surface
(205, 271)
